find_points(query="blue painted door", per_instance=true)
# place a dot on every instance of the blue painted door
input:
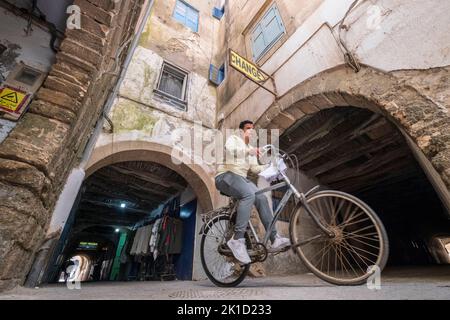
(183, 265)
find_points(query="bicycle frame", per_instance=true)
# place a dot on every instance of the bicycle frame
(302, 202)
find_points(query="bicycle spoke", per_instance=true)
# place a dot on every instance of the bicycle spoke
(345, 258)
(219, 266)
(350, 215)
(326, 253)
(354, 222)
(328, 263)
(355, 247)
(367, 244)
(342, 202)
(222, 228)
(371, 253)
(339, 256)
(360, 256)
(346, 222)
(321, 250)
(347, 246)
(335, 262)
(321, 216)
(364, 228)
(349, 235)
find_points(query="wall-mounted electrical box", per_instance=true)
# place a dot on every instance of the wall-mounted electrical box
(18, 89)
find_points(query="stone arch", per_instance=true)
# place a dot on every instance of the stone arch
(422, 121)
(197, 176)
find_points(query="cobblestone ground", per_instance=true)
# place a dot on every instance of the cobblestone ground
(396, 283)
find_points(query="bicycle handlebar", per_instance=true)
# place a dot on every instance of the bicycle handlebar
(280, 154)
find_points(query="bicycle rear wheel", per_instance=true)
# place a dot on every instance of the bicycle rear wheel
(360, 240)
(223, 270)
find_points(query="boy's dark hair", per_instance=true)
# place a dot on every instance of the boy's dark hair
(243, 123)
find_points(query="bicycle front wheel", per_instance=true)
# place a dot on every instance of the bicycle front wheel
(221, 268)
(359, 244)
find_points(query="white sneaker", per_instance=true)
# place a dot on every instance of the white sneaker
(280, 242)
(239, 250)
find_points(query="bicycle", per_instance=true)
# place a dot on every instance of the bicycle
(337, 236)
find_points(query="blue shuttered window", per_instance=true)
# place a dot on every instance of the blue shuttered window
(216, 75)
(218, 12)
(267, 32)
(187, 15)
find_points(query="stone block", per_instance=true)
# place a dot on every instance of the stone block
(23, 201)
(20, 173)
(59, 98)
(71, 73)
(52, 111)
(20, 227)
(90, 25)
(36, 140)
(95, 12)
(74, 48)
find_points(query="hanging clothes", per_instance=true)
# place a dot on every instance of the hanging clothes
(174, 207)
(176, 243)
(171, 236)
(146, 239)
(135, 242)
(154, 239)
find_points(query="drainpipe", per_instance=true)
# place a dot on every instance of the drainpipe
(73, 184)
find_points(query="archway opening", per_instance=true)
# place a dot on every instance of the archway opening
(134, 220)
(361, 152)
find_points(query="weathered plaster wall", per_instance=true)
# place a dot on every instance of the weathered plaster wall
(395, 43)
(141, 115)
(142, 79)
(238, 23)
(34, 49)
(177, 43)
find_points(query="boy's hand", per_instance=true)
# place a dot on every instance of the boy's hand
(255, 152)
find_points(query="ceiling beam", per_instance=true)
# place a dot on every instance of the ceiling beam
(149, 177)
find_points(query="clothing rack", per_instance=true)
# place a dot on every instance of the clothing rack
(175, 198)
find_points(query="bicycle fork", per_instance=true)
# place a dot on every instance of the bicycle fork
(303, 202)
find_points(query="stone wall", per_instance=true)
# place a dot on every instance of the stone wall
(38, 154)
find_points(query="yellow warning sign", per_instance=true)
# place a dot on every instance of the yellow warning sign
(247, 68)
(12, 99)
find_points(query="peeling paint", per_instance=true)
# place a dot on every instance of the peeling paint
(5, 128)
(8, 58)
(126, 116)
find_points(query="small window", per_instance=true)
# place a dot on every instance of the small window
(218, 12)
(267, 32)
(28, 76)
(187, 15)
(217, 75)
(172, 85)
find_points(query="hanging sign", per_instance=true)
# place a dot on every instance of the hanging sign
(247, 68)
(251, 71)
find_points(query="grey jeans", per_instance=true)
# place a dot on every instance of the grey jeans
(236, 186)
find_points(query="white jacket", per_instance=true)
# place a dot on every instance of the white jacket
(238, 158)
